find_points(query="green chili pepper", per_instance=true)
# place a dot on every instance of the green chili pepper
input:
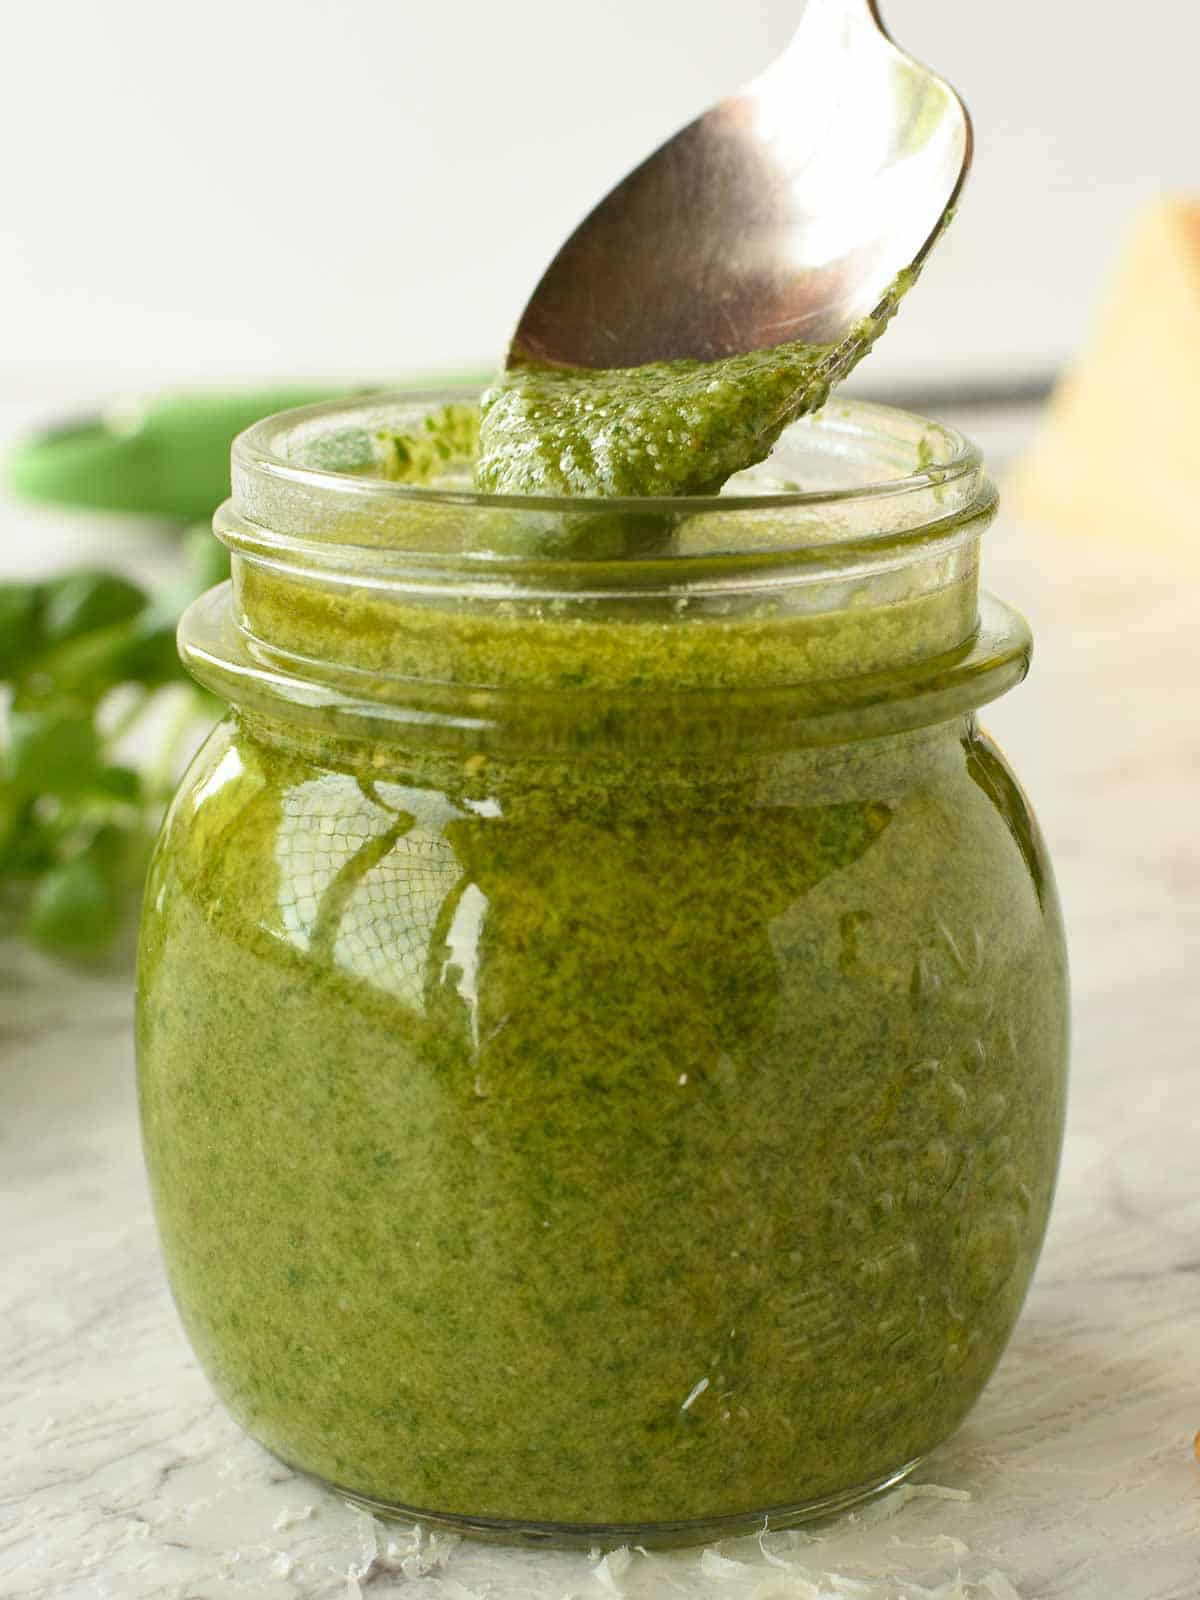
(167, 456)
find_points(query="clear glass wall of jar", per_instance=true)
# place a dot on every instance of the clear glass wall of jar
(603, 1020)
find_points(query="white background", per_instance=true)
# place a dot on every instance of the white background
(262, 187)
(297, 186)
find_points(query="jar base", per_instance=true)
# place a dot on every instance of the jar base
(649, 1535)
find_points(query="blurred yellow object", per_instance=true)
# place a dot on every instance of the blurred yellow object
(1119, 450)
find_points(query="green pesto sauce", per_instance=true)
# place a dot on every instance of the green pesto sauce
(602, 1140)
(670, 428)
(446, 437)
(664, 429)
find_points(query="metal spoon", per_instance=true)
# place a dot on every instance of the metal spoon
(782, 214)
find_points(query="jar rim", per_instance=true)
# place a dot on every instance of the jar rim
(261, 451)
(406, 585)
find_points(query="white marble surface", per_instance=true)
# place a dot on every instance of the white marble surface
(121, 1477)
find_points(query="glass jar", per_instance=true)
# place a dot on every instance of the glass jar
(603, 1013)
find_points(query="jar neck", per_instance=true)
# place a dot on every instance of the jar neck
(742, 621)
(647, 632)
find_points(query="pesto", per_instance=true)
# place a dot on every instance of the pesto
(669, 428)
(445, 437)
(603, 1141)
(664, 429)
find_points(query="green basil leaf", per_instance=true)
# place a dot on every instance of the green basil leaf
(150, 655)
(14, 808)
(83, 669)
(20, 625)
(51, 752)
(80, 602)
(77, 908)
(120, 783)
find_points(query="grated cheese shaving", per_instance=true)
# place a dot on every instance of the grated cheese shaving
(609, 1570)
(768, 1555)
(289, 1519)
(940, 1541)
(714, 1565)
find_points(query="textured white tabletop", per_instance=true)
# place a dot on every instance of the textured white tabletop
(120, 1475)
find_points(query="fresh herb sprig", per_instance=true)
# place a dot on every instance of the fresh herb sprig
(84, 657)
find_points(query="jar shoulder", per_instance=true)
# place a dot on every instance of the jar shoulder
(278, 841)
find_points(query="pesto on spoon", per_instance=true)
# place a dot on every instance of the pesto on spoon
(666, 428)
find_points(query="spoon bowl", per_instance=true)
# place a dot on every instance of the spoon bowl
(782, 214)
